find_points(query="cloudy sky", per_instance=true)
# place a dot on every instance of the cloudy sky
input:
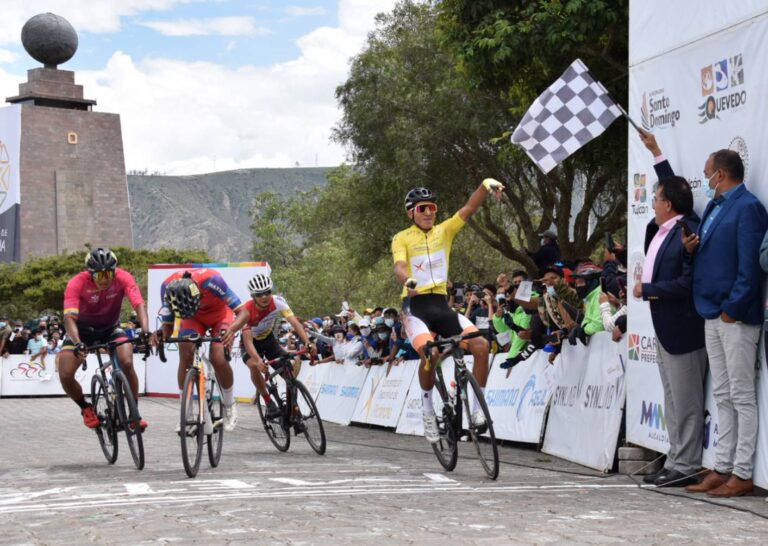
(204, 85)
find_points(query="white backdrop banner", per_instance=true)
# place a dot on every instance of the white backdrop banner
(383, 394)
(20, 377)
(339, 392)
(697, 94)
(161, 378)
(586, 411)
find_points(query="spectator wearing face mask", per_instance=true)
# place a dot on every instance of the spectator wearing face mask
(354, 349)
(38, 348)
(512, 318)
(549, 251)
(18, 340)
(587, 284)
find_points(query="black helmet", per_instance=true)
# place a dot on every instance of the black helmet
(182, 297)
(100, 259)
(417, 195)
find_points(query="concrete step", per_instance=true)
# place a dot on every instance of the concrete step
(639, 467)
(632, 453)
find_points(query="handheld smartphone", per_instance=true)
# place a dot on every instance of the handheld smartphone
(609, 244)
(603, 287)
(686, 230)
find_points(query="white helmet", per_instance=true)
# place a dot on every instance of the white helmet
(260, 284)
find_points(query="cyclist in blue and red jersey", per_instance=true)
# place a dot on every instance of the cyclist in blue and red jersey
(203, 301)
(92, 304)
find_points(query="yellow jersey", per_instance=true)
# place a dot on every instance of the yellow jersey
(426, 254)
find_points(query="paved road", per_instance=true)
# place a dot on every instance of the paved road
(372, 486)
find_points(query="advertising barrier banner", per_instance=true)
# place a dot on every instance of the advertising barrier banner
(339, 392)
(383, 394)
(587, 403)
(20, 377)
(517, 398)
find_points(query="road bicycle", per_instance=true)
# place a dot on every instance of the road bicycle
(115, 404)
(455, 402)
(201, 417)
(297, 408)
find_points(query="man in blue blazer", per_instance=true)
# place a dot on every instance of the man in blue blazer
(727, 293)
(681, 356)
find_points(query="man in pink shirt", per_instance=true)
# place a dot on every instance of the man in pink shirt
(680, 354)
(92, 304)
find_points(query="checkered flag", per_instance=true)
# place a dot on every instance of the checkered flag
(571, 112)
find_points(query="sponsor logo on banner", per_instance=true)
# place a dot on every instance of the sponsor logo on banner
(710, 431)
(652, 416)
(739, 145)
(29, 371)
(640, 195)
(642, 348)
(722, 88)
(5, 172)
(656, 111)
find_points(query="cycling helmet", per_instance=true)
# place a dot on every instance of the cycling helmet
(417, 195)
(182, 297)
(260, 284)
(100, 259)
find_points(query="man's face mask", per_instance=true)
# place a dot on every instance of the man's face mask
(365, 331)
(389, 322)
(383, 335)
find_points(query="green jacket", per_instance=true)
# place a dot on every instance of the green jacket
(593, 320)
(521, 319)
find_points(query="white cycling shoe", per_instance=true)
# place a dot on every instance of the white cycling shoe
(230, 417)
(431, 432)
(478, 418)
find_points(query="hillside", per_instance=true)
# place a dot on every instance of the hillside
(209, 211)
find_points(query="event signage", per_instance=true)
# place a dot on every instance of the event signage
(383, 394)
(10, 190)
(587, 403)
(339, 392)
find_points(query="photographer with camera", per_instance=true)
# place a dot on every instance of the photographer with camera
(515, 319)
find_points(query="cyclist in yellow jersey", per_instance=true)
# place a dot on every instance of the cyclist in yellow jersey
(421, 254)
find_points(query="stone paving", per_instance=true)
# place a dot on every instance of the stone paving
(372, 486)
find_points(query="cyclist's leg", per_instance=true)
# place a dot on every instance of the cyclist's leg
(187, 327)
(419, 335)
(257, 378)
(268, 348)
(68, 364)
(479, 348)
(125, 357)
(221, 321)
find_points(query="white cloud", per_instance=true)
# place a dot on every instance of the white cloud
(296, 11)
(99, 16)
(223, 26)
(7, 56)
(191, 117)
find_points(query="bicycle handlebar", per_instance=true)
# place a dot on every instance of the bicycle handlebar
(451, 342)
(197, 339)
(111, 345)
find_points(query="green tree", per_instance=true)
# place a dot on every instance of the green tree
(37, 286)
(415, 113)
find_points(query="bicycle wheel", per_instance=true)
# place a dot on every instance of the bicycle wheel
(105, 410)
(309, 419)
(129, 417)
(276, 430)
(216, 439)
(446, 448)
(191, 423)
(487, 450)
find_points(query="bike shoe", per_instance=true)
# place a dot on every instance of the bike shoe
(90, 419)
(300, 428)
(273, 411)
(142, 423)
(478, 420)
(230, 417)
(431, 432)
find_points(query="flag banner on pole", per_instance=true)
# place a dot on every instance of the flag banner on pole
(571, 112)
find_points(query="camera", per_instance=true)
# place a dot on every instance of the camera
(458, 290)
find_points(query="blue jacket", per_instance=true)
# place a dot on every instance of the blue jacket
(678, 326)
(726, 268)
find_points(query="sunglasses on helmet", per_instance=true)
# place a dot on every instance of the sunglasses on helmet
(424, 207)
(103, 275)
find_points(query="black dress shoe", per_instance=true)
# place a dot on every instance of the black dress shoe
(673, 478)
(650, 478)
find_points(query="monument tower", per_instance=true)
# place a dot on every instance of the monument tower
(71, 171)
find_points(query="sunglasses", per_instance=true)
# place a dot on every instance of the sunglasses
(426, 207)
(103, 275)
(261, 294)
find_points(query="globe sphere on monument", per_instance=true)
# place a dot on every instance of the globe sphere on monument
(49, 39)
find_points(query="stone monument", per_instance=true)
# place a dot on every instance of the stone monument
(72, 168)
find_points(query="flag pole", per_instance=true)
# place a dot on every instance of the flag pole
(629, 119)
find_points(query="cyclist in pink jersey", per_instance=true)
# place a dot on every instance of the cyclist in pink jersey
(92, 304)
